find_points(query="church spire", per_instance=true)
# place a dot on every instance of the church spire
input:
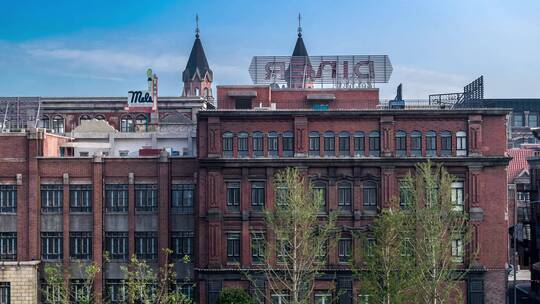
(299, 73)
(197, 75)
(299, 25)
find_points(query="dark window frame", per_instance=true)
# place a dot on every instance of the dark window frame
(182, 244)
(233, 247)
(80, 245)
(80, 198)
(374, 143)
(52, 198)
(116, 198)
(146, 197)
(344, 143)
(117, 245)
(8, 199)
(182, 198)
(52, 248)
(370, 195)
(8, 246)
(146, 245)
(233, 195)
(345, 195)
(258, 195)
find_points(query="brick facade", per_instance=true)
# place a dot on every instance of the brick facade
(227, 154)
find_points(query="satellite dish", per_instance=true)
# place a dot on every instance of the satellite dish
(149, 73)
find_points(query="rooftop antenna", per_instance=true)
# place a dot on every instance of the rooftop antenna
(299, 25)
(197, 31)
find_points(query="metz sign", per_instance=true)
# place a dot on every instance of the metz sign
(337, 71)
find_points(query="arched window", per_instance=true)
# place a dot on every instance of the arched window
(258, 143)
(370, 196)
(321, 189)
(197, 92)
(272, 143)
(344, 143)
(329, 143)
(243, 144)
(401, 143)
(207, 92)
(99, 117)
(85, 117)
(416, 143)
(45, 122)
(58, 124)
(446, 143)
(314, 143)
(141, 123)
(288, 143)
(126, 124)
(374, 143)
(431, 143)
(345, 195)
(461, 143)
(359, 149)
(227, 144)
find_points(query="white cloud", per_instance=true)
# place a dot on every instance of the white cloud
(108, 60)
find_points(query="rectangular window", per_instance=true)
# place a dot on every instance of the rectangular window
(5, 293)
(320, 190)
(280, 298)
(146, 197)
(123, 153)
(345, 250)
(407, 247)
(374, 146)
(79, 291)
(368, 246)
(8, 246)
(288, 146)
(182, 198)
(518, 119)
(416, 145)
(344, 196)
(186, 288)
(329, 145)
(344, 145)
(273, 146)
(314, 146)
(370, 197)
(461, 144)
(359, 145)
(8, 199)
(243, 104)
(457, 196)
(80, 198)
(323, 298)
(115, 291)
(52, 198)
(227, 146)
(431, 145)
(146, 245)
(457, 250)
(233, 196)
(401, 146)
(283, 250)
(233, 247)
(51, 245)
(258, 146)
(182, 244)
(80, 245)
(533, 120)
(363, 299)
(258, 248)
(404, 195)
(243, 145)
(116, 244)
(257, 195)
(116, 198)
(446, 145)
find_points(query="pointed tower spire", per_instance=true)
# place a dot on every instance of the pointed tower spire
(299, 73)
(299, 25)
(197, 75)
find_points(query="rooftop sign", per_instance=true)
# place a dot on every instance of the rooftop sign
(333, 71)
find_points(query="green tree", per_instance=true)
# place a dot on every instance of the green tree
(57, 289)
(415, 250)
(145, 285)
(234, 296)
(301, 235)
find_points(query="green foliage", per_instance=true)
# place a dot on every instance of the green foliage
(145, 285)
(298, 235)
(234, 296)
(411, 255)
(56, 289)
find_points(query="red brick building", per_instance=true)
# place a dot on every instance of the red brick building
(352, 148)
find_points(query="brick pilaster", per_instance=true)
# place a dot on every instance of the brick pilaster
(97, 232)
(131, 214)
(65, 218)
(163, 206)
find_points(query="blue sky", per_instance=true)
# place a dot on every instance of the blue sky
(103, 47)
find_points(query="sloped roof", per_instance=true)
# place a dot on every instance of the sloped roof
(177, 118)
(197, 64)
(300, 47)
(94, 125)
(518, 164)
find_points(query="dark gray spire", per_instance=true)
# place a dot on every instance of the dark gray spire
(300, 48)
(197, 63)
